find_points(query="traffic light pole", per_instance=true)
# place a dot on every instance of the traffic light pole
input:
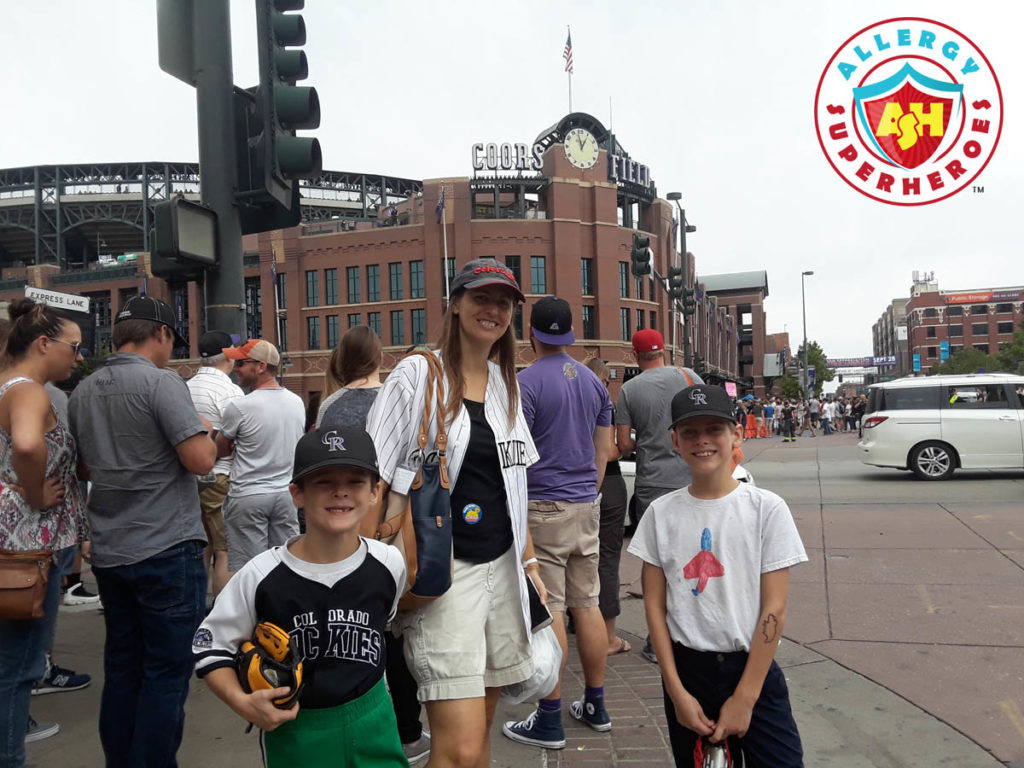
(225, 290)
(687, 352)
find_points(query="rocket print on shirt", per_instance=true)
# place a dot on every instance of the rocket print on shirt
(704, 565)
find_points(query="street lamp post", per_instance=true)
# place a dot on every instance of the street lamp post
(803, 303)
(684, 227)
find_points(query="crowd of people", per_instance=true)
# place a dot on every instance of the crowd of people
(790, 418)
(220, 489)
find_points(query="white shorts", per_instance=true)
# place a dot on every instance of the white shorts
(473, 637)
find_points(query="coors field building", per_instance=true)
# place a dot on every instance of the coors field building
(560, 211)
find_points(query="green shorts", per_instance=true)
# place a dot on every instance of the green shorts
(356, 734)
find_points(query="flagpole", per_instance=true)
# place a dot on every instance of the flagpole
(444, 239)
(569, 70)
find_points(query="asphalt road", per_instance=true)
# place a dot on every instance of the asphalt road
(904, 649)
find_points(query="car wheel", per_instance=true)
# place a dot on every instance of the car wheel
(933, 461)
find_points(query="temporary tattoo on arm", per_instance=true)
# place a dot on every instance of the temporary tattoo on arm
(770, 628)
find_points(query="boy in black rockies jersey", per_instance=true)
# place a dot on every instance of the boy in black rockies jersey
(334, 592)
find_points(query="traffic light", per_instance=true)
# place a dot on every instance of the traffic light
(640, 255)
(675, 282)
(184, 240)
(689, 302)
(698, 364)
(282, 107)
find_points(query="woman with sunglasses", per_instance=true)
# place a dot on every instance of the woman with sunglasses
(41, 505)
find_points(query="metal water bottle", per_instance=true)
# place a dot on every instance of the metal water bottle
(716, 756)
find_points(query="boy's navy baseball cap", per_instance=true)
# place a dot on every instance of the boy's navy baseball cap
(480, 272)
(701, 400)
(551, 321)
(341, 447)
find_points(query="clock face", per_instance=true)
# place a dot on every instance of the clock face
(581, 148)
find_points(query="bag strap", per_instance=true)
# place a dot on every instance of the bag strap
(435, 390)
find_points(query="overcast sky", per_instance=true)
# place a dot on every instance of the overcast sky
(716, 97)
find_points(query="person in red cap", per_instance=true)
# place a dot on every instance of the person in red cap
(643, 410)
(262, 429)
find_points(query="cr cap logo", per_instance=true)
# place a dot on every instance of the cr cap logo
(908, 111)
(698, 397)
(333, 441)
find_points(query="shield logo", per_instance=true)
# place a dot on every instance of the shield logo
(906, 117)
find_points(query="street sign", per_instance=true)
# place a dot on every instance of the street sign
(57, 300)
(943, 351)
(917, 363)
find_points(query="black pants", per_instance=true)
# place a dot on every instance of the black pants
(772, 741)
(613, 519)
(788, 428)
(403, 691)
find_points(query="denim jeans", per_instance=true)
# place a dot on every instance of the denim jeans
(151, 609)
(23, 646)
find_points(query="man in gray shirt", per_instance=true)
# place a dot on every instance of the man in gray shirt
(143, 443)
(644, 406)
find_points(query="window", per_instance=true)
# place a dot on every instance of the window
(932, 353)
(954, 349)
(956, 311)
(333, 335)
(930, 332)
(517, 321)
(903, 399)
(976, 396)
(983, 348)
(397, 327)
(353, 284)
(640, 288)
(588, 322)
(587, 276)
(354, 320)
(416, 289)
(654, 320)
(373, 320)
(373, 282)
(1004, 309)
(640, 320)
(538, 275)
(930, 312)
(623, 280)
(313, 326)
(979, 329)
(956, 330)
(419, 326)
(514, 266)
(1004, 327)
(312, 288)
(979, 309)
(624, 324)
(331, 286)
(395, 279)
(283, 346)
(451, 272)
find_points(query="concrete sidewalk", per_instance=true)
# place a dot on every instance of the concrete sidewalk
(846, 720)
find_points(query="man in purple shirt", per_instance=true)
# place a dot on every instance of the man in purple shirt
(570, 416)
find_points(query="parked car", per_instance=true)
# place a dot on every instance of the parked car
(629, 476)
(937, 424)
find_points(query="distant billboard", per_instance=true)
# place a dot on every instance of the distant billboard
(860, 362)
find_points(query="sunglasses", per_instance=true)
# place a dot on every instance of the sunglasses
(240, 363)
(76, 346)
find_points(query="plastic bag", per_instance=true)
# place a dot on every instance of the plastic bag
(547, 660)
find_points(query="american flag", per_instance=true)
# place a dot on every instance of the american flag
(439, 210)
(567, 53)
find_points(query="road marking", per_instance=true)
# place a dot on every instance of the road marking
(1018, 538)
(1013, 714)
(1007, 607)
(983, 518)
(922, 590)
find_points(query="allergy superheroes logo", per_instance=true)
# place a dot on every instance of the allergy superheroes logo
(908, 111)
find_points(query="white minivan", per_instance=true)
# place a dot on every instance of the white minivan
(934, 425)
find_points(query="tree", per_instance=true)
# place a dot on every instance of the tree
(816, 360)
(966, 360)
(790, 385)
(1010, 357)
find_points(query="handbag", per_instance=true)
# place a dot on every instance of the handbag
(422, 531)
(23, 578)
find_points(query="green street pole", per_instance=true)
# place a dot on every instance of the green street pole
(687, 352)
(225, 289)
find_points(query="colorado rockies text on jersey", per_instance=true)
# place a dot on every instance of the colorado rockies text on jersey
(337, 613)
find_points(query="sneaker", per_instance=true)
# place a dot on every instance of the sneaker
(58, 679)
(540, 729)
(419, 750)
(39, 731)
(648, 652)
(79, 595)
(592, 712)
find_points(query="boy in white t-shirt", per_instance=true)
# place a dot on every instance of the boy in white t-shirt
(716, 573)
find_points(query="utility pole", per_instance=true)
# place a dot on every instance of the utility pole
(225, 286)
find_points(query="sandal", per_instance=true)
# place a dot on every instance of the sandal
(624, 647)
